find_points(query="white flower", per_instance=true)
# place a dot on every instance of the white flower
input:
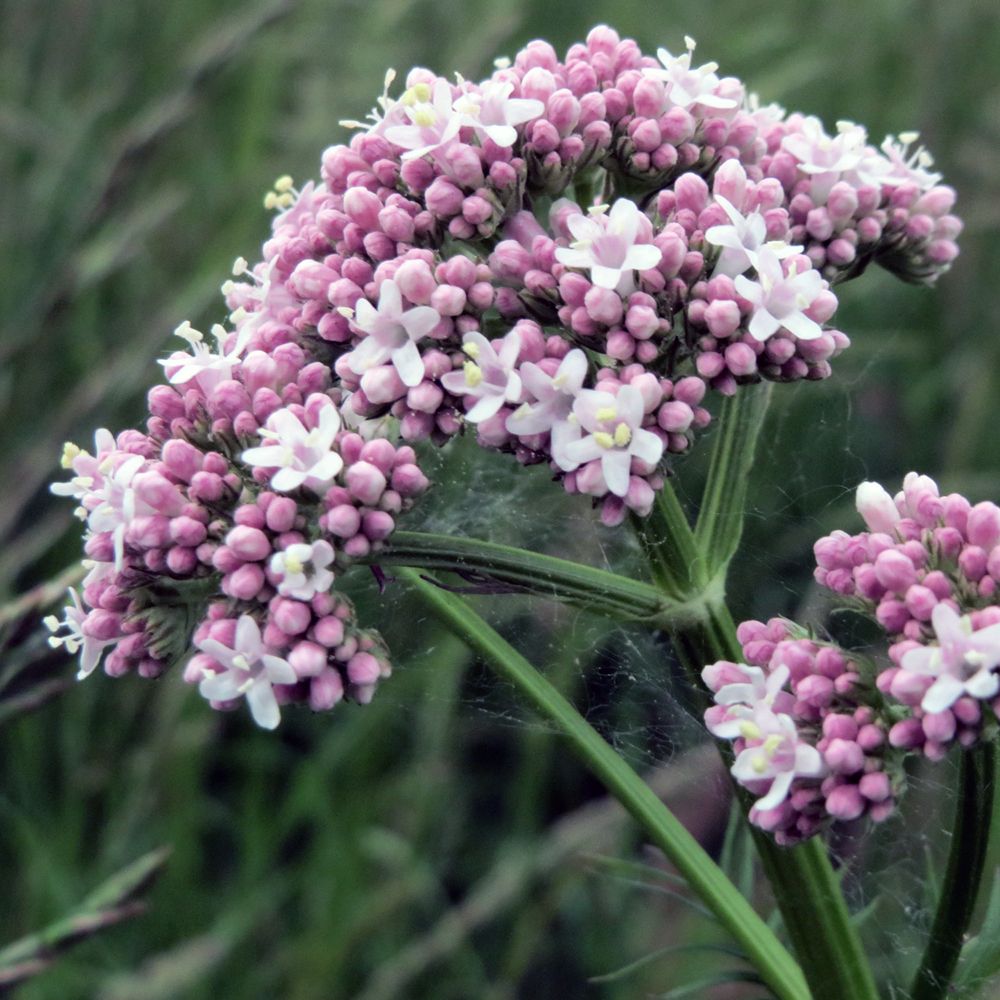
(433, 121)
(876, 507)
(616, 435)
(826, 157)
(606, 246)
(392, 334)
(86, 467)
(117, 504)
(203, 365)
(743, 698)
(780, 300)
(963, 663)
(302, 457)
(775, 751)
(488, 377)
(302, 570)
(686, 87)
(76, 640)
(250, 669)
(553, 403)
(903, 166)
(493, 113)
(742, 239)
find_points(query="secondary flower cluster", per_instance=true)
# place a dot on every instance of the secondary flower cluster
(568, 256)
(820, 732)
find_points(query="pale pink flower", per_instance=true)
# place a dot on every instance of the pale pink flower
(392, 334)
(742, 239)
(826, 158)
(249, 670)
(774, 751)
(552, 403)
(605, 244)
(488, 377)
(963, 663)
(493, 114)
(302, 457)
(303, 570)
(615, 436)
(687, 86)
(741, 699)
(779, 299)
(433, 121)
(76, 640)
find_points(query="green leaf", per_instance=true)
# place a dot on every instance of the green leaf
(677, 949)
(980, 959)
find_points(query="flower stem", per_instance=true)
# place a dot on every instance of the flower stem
(489, 567)
(966, 859)
(762, 947)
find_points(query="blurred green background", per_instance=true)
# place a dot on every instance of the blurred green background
(438, 843)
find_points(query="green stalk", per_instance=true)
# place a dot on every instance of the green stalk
(804, 884)
(966, 860)
(762, 947)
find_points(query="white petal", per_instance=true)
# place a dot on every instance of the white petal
(263, 704)
(942, 694)
(615, 463)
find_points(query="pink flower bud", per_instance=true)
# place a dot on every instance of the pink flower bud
(245, 582)
(249, 544)
(845, 803)
(326, 689)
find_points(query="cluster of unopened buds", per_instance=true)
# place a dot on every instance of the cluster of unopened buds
(569, 256)
(822, 733)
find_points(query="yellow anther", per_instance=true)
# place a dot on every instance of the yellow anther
(285, 200)
(292, 563)
(749, 730)
(424, 116)
(70, 452)
(473, 374)
(604, 439)
(772, 743)
(606, 413)
(421, 92)
(51, 623)
(270, 201)
(759, 763)
(471, 349)
(284, 183)
(622, 435)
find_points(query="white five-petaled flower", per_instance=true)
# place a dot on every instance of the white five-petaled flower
(76, 639)
(741, 698)
(488, 377)
(742, 239)
(905, 166)
(203, 365)
(963, 663)
(249, 670)
(605, 244)
(553, 401)
(774, 751)
(115, 503)
(303, 570)
(780, 299)
(392, 334)
(433, 120)
(302, 457)
(687, 87)
(492, 113)
(86, 467)
(826, 158)
(615, 436)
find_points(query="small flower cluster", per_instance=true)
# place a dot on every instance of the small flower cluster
(925, 571)
(689, 246)
(173, 526)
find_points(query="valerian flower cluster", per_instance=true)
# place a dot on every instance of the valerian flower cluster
(567, 259)
(823, 733)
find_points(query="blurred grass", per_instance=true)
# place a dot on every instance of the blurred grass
(135, 143)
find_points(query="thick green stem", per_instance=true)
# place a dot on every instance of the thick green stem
(966, 858)
(769, 957)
